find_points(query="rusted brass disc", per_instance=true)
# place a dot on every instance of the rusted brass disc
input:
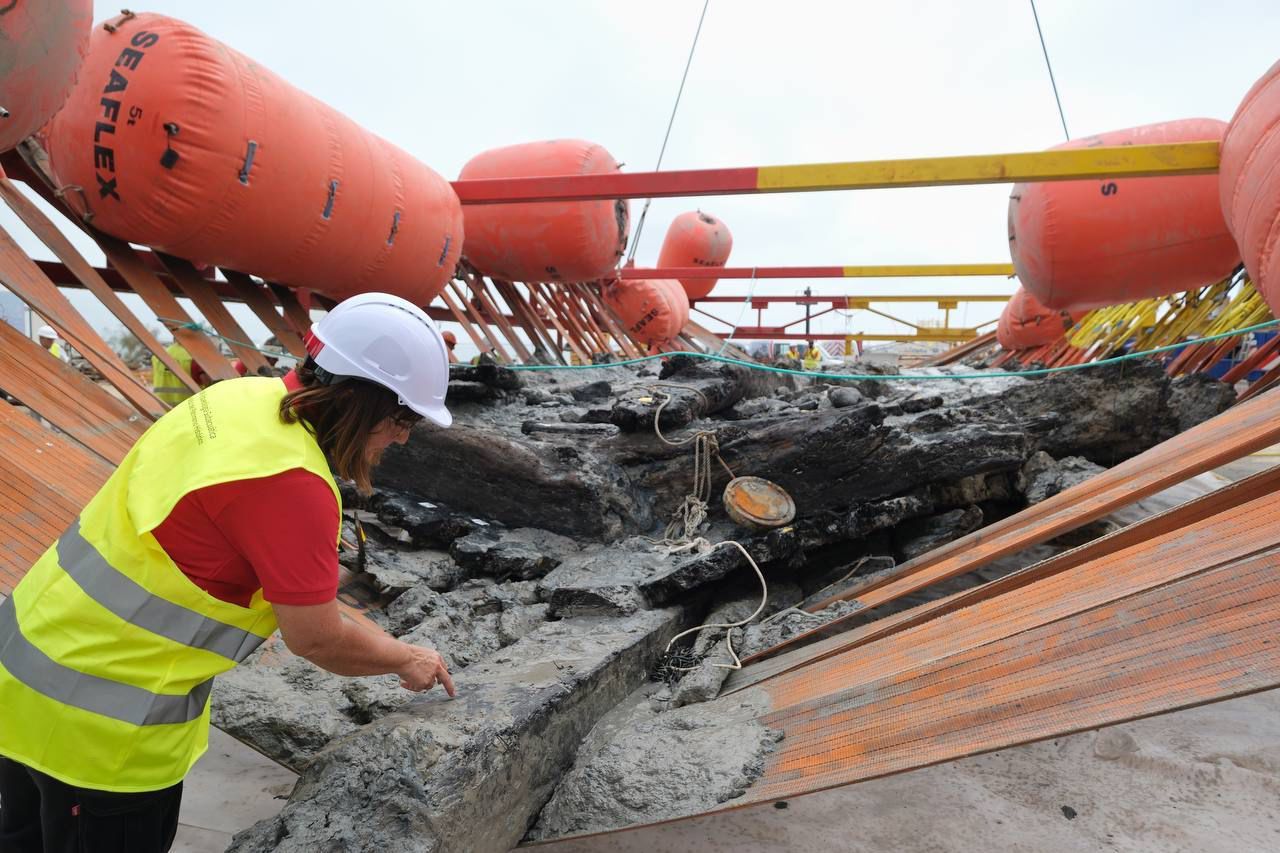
(756, 502)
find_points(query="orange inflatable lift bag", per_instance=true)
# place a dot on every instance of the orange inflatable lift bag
(1025, 323)
(696, 239)
(653, 311)
(42, 44)
(1249, 184)
(545, 241)
(1086, 244)
(175, 141)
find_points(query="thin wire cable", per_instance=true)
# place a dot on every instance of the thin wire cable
(751, 291)
(1049, 65)
(635, 242)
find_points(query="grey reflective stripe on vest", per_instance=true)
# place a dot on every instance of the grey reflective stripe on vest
(93, 693)
(124, 597)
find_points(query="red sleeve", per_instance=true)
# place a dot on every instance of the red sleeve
(286, 527)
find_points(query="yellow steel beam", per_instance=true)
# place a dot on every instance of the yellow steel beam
(947, 301)
(1111, 161)
(925, 334)
(920, 270)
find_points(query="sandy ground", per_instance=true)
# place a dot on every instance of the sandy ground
(1204, 779)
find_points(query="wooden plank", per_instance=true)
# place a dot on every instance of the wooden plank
(1241, 430)
(213, 309)
(1260, 356)
(1265, 381)
(494, 344)
(48, 479)
(607, 319)
(1200, 639)
(447, 297)
(550, 295)
(297, 316)
(158, 298)
(65, 398)
(536, 298)
(714, 342)
(256, 297)
(569, 310)
(24, 278)
(1178, 518)
(521, 308)
(479, 286)
(44, 229)
(573, 295)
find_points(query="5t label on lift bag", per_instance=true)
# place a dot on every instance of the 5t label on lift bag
(104, 154)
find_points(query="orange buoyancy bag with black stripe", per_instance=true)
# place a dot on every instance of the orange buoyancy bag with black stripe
(653, 311)
(1104, 241)
(696, 239)
(1249, 183)
(545, 241)
(42, 44)
(1025, 323)
(173, 140)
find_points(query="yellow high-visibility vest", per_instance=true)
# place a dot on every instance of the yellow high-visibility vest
(165, 384)
(107, 650)
(56, 351)
(812, 358)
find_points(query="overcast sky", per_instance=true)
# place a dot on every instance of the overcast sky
(771, 83)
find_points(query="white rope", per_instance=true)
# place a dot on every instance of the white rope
(728, 626)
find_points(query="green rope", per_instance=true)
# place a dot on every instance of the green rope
(172, 325)
(853, 377)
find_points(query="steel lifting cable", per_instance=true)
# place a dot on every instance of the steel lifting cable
(1049, 65)
(746, 303)
(635, 242)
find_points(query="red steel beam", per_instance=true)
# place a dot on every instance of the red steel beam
(881, 271)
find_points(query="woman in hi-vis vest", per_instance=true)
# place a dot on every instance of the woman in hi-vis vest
(220, 525)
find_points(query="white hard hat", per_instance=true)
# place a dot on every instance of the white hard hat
(46, 332)
(388, 341)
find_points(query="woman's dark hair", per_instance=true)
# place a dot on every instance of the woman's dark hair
(342, 416)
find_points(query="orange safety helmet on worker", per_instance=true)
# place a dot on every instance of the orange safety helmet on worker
(451, 341)
(107, 651)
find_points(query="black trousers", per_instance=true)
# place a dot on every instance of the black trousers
(39, 814)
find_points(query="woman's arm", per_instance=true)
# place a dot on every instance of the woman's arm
(320, 634)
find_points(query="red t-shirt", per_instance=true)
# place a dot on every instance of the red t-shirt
(276, 533)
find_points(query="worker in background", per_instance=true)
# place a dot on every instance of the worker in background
(790, 353)
(166, 385)
(451, 341)
(812, 357)
(49, 340)
(271, 354)
(220, 525)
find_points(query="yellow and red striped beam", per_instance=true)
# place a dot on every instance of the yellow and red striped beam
(861, 271)
(842, 302)
(1113, 161)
